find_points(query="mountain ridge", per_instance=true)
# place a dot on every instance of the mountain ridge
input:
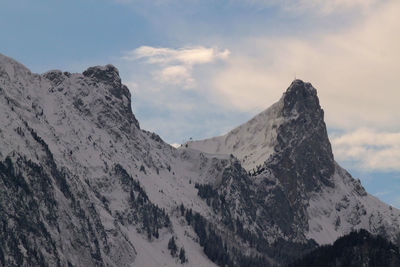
(107, 193)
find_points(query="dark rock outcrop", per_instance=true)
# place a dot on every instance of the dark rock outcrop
(303, 155)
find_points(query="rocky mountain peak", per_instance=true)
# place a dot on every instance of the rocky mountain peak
(299, 85)
(303, 145)
(108, 75)
(301, 97)
(291, 129)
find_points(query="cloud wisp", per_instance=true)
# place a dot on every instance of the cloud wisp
(175, 66)
(371, 150)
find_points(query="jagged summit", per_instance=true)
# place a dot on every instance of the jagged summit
(98, 93)
(300, 97)
(300, 85)
(108, 74)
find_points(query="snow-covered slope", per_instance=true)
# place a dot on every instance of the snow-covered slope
(252, 142)
(83, 124)
(82, 185)
(336, 211)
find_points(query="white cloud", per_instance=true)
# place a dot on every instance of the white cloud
(369, 149)
(176, 65)
(356, 71)
(187, 56)
(368, 137)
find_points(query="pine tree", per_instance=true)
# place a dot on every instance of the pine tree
(172, 246)
(182, 255)
(189, 216)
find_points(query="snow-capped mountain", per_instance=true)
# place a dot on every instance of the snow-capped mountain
(296, 158)
(82, 185)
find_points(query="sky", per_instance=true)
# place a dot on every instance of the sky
(198, 68)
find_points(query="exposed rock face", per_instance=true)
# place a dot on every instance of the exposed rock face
(302, 163)
(82, 185)
(303, 154)
(108, 75)
(55, 76)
